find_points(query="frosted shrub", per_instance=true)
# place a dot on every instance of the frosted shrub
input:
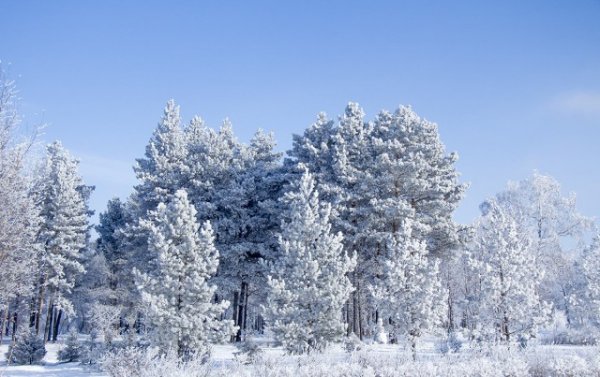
(248, 352)
(138, 362)
(27, 349)
(352, 343)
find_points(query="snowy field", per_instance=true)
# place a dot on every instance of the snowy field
(371, 360)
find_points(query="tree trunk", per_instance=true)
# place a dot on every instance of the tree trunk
(6, 328)
(360, 320)
(241, 311)
(56, 325)
(2, 323)
(15, 324)
(348, 319)
(355, 326)
(236, 299)
(245, 317)
(48, 328)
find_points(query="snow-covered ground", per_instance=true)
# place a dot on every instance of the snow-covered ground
(571, 360)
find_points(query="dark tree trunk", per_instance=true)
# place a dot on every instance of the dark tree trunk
(6, 327)
(15, 324)
(56, 325)
(2, 323)
(48, 327)
(236, 299)
(242, 311)
(40, 300)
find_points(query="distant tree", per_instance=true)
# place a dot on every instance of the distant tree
(309, 285)
(508, 276)
(554, 225)
(590, 297)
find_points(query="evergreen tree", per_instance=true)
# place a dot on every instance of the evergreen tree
(118, 258)
(248, 225)
(73, 350)
(160, 174)
(376, 174)
(177, 292)
(27, 349)
(408, 291)
(309, 285)
(62, 198)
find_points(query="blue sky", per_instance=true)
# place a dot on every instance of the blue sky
(513, 85)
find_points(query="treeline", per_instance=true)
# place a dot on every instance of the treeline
(348, 236)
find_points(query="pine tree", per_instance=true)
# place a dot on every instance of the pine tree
(177, 292)
(73, 349)
(248, 224)
(62, 198)
(376, 174)
(118, 258)
(309, 285)
(27, 349)
(160, 174)
(408, 291)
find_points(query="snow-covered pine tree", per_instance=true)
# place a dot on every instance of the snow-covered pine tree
(508, 277)
(235, 186)
(413, 177)
(159, 173)
(121, 290)
(180, 299)
(27, 349)
(248, 225)
(408, 291)
(62, 198)
(375, 174)
(73, 349)
(309, 285)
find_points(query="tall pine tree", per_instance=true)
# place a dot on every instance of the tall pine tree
(309, 285)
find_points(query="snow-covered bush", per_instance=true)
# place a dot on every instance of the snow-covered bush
(352, 343)
(27, 349)
(248, 352)
(584, 336)
(73, 349)
(93, 350)
(139, 362)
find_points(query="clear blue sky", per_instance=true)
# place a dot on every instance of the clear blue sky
(513, 85)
